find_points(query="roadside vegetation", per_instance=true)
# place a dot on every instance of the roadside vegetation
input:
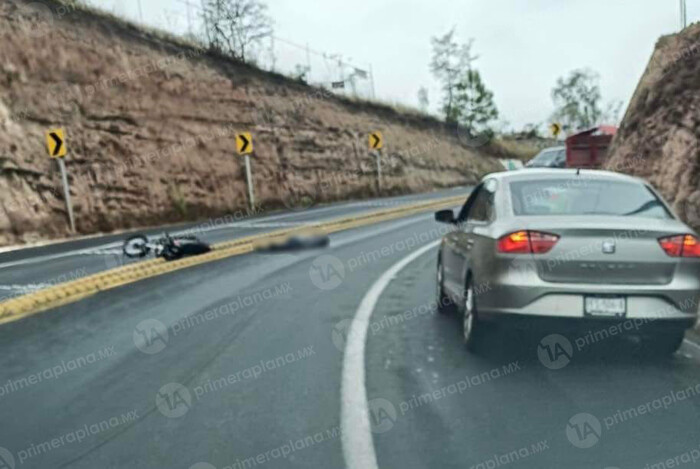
(466, 101)
(237, 28)
(467, 104)
(578, 102)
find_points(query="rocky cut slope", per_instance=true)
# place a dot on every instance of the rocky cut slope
(150, 125)
(659, 136)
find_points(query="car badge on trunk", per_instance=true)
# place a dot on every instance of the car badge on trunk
(608, 247)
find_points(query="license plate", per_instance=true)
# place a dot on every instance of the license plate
(614, 306)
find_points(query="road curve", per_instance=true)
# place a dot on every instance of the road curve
(239, 363)
(30, 269)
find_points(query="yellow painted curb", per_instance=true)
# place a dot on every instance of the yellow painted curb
(70, 292)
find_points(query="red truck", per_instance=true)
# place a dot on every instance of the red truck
(589, 149)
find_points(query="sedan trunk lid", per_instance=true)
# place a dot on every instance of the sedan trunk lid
(606, 249)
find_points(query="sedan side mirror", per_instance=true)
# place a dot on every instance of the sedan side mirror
(445, 216)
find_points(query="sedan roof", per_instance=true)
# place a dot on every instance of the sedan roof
(560, 173)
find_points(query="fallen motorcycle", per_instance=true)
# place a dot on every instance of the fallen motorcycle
(168, 247)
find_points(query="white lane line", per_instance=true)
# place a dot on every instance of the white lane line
(28, 287)
(203, 227)
(51, 257)
(279, 224)
(358, 447)
(115, 247)
(691, 343)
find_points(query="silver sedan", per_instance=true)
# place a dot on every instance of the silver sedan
(591, 248)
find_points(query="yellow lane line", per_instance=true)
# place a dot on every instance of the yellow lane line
(70, 292)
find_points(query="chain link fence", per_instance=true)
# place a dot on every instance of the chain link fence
(275, 54)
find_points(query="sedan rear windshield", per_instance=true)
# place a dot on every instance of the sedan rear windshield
(585, 196)
(547, 156)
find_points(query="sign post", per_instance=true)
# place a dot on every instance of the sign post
(249, 180)
(57, 148)
(376, 143)
(244, 145)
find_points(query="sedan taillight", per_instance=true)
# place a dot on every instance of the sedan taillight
(681, 246)
(527, 242)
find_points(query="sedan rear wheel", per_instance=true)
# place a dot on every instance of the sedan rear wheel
(444, 304)
(471, 328)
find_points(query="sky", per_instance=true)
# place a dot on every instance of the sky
(523, 45)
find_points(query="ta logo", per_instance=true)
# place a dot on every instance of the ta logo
(7, 461)
(583, 430)
(173, 400)
(327, 272)
(555, 351)
(339, 335)
(150, 336)
(382, 415)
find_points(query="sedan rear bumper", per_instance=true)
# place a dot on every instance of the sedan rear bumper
(571, 305)
(562, 324)
(676, 302)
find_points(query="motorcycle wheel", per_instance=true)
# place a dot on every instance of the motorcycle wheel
(135, 246)
(172, 253)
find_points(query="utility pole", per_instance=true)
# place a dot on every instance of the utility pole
(684, 15)
(308, 60)
(272, 52)
(342, 73)
(189, 19)
(140, 11)
(190, 6)
(371, 79)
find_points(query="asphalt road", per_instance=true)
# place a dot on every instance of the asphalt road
(240, 363)
(27, 270)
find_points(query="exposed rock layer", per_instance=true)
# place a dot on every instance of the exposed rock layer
(150, 125)
(659, 136)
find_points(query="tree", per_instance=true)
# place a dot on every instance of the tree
(473, 106)
(611, 115)
(466, 102)
(577, 101)
(423, 101)
(449, 62)
(531, 131)
(233, 26)
(301, 72)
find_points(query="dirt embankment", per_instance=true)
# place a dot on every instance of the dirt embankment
(659, 136)
(150, 124)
